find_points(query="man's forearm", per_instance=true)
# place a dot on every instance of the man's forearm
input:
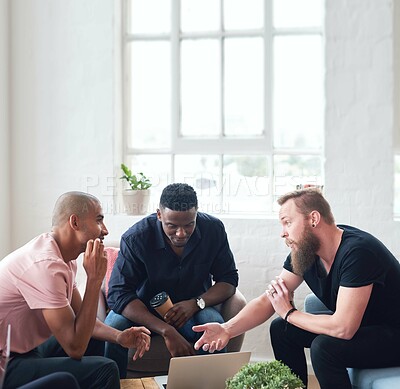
(104, 332)
(86, 316)
(218, 293)
(253, 314)
(73, 326)
(138, 313)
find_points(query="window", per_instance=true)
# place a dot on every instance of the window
(226, 95)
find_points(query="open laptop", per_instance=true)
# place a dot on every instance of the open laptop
(5, 355)
(202, 371)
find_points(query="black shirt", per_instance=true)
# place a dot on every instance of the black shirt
(147, 265)
(360, 260)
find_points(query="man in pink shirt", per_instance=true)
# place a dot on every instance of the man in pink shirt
(48, 317)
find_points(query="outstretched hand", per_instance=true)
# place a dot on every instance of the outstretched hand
(135, 337)
(215, 337)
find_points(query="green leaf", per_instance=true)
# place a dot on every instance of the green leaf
(264, 375)
(136, 183)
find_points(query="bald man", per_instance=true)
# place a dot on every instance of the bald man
(52, 328)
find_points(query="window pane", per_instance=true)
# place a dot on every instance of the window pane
(239, 14)
(202, 173)
(200, 88)
(204, 84)
(150, 93)
(297, 91)
(246, 184)
(155, 167)
(292, 170)
(297, 13)
(201, 15)
(244, 97)
(150, 16)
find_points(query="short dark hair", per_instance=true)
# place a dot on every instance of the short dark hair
(178, 197)
(308, 200)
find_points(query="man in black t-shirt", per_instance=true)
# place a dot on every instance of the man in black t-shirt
(351, 272)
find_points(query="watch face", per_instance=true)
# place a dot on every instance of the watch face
(200, 302)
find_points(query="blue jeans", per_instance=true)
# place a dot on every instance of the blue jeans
(120, 354)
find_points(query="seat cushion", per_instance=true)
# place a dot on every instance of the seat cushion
(112, 254)
(312, 304)
(154, 362)
(387, 383)
(375, 378)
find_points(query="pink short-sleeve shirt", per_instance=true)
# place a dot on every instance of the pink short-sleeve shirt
(33, 278)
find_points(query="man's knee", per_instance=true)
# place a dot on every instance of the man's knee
(107, 372)
(208, 315)
(118, 321)
(325, 349)
(59, 380)
(277, 327)
(110, 365)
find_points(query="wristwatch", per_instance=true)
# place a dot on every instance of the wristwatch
(200, 302)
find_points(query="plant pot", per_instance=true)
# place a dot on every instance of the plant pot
(136, 202)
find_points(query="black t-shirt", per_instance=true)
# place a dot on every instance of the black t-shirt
(361, 260)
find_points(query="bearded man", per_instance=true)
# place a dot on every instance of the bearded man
(350, 271)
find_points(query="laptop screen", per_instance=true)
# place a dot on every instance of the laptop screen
(4, 355)
(202, 371)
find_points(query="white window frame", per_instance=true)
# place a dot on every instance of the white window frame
(257, 145)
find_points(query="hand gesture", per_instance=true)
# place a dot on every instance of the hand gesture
(279, 296)
(180, 313)
(95, 260)
(215, 337)
(135, 337)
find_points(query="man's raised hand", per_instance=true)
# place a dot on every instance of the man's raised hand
(95, 260)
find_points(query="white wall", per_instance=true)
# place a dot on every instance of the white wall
(61, 106)
(63, 95)
(4, 132)
(396, 47)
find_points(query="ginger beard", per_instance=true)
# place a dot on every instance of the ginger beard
(304, 255)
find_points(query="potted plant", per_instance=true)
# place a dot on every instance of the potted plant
(264, 375)
(136, 198)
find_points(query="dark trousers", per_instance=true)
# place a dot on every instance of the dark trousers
(371, 347)
(93, 371)
(60, 380)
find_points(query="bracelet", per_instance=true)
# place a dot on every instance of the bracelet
(289, 312)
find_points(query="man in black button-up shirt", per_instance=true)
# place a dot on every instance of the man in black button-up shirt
(177, 250)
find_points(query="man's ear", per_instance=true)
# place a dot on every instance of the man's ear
(315, 218)
(74, 222)
(158, 214)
